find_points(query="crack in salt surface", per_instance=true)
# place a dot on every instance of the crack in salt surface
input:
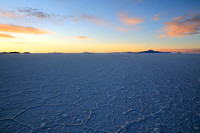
(101, 93)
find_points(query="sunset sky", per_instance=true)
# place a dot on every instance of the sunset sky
(71, 26)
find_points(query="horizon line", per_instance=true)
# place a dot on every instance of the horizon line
(197, 50)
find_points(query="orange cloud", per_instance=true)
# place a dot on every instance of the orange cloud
(128, 20)
(121, 29)
(195, 50)
(6, 35)
(21, 29)
(8, 14)
(83, 38)
(163, 14)
(182, 26)
(76, 20)
(156, 17)
(161, 36)
(67, 37)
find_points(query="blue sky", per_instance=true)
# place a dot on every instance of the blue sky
(99, 25)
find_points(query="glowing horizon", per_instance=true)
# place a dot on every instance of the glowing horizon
(69, 26)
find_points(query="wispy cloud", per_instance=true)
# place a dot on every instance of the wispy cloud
(156, 17)
(94, 19)
(162, 35)
(129, 23)
(29, 12)
(83, 38)
(159, 16)
(194, 50)
(33, 12)
(71, 16)
(129, 20)
(40, 14)
(9, 14)
(181, 26)
(75, 20)
(21, 29)
(122, 29)
(67, 37)
(6, 36)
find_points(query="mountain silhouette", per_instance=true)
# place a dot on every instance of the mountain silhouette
(152, 51)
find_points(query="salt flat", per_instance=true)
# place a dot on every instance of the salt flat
(100, 93)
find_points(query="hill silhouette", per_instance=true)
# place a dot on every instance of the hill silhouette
(152, 51)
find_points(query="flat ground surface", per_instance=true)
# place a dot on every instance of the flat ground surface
(100, 93)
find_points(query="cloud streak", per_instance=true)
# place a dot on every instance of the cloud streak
(32, 12)
(37, 13)
(194, 50)
(165, 14)
(181, 26)
(6, 36)
(21, 29)
(130, 23)
(8, 14)
(75, 20)
(156, 17)
(83, 38)
(94, 19)
(129, 20)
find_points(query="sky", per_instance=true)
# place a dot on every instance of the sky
(74, 26)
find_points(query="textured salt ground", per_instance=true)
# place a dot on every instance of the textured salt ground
(100, 93)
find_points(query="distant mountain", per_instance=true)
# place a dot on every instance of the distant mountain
(130, 52)
(148, 51)
(3, 52)
(152, 51)
(10, 53)
(88, 53)
(14, 52)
